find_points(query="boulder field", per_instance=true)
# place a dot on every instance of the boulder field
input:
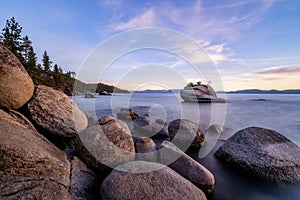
(104, 159)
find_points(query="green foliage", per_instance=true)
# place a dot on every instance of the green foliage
(22, 48)
(190, 84)
(46, 62)
(11, 37)
(80, 87)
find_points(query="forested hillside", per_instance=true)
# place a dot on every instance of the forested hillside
(45, 73)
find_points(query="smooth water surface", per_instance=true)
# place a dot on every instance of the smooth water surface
(277, 112)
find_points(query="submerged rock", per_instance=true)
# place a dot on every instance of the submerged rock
(215, 128)
(263, 153)
(56, 112)
(146, 127)
(186, 131)
(164, 183)
(106, 145)
(187, 167)
(31, 167)
(16, 86)
(126, 113)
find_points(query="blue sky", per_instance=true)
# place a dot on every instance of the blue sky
(253, 43)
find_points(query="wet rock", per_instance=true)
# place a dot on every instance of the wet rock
(187, 167)
(145, 149)
(161, 122)
(31, 167)
(127, 114)
(263, 153)
(106, 145)
(16, 86)
(215, 128)
(146, 127)
(56, 112)
(212, 136)
(162, 183)
(186, 131)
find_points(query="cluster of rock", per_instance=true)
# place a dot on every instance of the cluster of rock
(50, 149)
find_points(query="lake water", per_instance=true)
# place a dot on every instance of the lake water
(277, 112)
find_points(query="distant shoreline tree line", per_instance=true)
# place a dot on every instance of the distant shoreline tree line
(45, 73)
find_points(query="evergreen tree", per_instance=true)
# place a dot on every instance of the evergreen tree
(46, 62)
(60, 70)
(55, 69)
(57, 75)
(26, 44)
(30, 59)
(11, 37)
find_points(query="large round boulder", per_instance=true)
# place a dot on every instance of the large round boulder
(187, 167)
(163, 183)
(106, 145)
(16, 86)
(263, 153)
(56, 112)
(31, 167)
(186, 131)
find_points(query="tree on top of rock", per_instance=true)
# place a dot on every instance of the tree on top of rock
(46, 62)
(11, 37)
(30, 59)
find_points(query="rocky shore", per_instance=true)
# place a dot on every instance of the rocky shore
(50, 149)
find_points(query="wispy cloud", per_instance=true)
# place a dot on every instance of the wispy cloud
(146, 19)
(197, 20)
(280, 70)
(243, 3)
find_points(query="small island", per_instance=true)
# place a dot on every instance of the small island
(201, 93)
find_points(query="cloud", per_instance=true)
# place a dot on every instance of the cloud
(198, 20)
(195, 19)
(280, 70)
(243, 3)
(147, 19)
(275, 78)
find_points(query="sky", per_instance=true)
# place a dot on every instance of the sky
(249, 44)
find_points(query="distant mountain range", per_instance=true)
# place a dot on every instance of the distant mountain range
(249, 91)
(256, 91)
(158, 91)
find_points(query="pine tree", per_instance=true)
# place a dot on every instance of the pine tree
(29, 56)
(26, 44)
(57, 75)
(46, 62)
(11, 37)
(55, 69)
